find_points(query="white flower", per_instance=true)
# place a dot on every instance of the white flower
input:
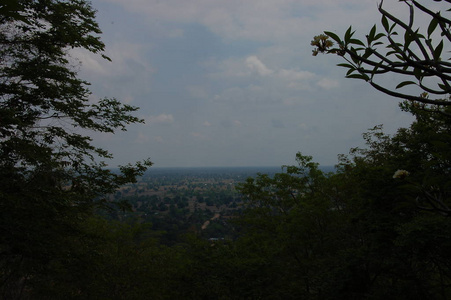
(401, 174)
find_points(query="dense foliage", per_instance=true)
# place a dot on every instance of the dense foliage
(377, 228)
(49, 179)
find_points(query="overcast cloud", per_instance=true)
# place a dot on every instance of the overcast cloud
(233, 82)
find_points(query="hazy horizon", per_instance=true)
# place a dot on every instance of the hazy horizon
(234, 83)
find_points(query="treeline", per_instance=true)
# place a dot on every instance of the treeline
(377, 228)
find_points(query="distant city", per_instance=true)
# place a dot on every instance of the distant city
(251, 171)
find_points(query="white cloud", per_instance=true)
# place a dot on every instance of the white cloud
(142, 138)
(327, 83)
(227, 68)
(253, 63)
(124, 57)
(287, 78)
(160, 119)
(127, 77)
(290, 101)
(298, 80)
(175, 33)
(277, 124)
(269, 20)
(230, 123)
(293, 75)
(263, 61)
(128, 99)
(197, 135)
(197, 92)
(303, 126)
(159, 139)
(90, 62)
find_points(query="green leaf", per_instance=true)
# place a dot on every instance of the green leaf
(368, 52)
(432, 26)
(400, 57)
(350, 71)
(370, 36)
(393, 27)
(356, 60)
(348, 35)
(438, 50)
(359, 76)
(443, 87)
(418, 74)
(11, 9)
(345, 65)
(408, 38)
(378, 36)
(106, 57)
(356, 42)
(333, 36)
(404, 83)
(385, 23)
(375, 69)
(419, 35)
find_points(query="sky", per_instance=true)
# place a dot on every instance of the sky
(234, 82)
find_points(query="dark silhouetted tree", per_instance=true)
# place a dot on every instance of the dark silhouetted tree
(50, 180)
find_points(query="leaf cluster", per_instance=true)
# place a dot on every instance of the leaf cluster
(401, 48)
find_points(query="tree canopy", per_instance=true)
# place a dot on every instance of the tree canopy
(376, 228)
(417, 55)
(51, 179)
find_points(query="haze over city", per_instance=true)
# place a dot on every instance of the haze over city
(234, 83)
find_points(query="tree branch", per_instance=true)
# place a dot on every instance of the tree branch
(409, 97)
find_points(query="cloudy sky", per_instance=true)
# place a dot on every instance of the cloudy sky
(233, 82)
